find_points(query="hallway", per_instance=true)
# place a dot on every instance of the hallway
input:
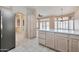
(29, 45)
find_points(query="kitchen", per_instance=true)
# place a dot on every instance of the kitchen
(41, 28)
(60, 32)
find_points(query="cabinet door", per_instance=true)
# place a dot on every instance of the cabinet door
(41, 41)
(41, 34)
(74, 45)
(50, 40)
(61, 44)
(41, 37)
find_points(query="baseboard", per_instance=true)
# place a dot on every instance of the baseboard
(50, 48)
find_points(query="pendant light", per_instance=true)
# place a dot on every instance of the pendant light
(61, 14)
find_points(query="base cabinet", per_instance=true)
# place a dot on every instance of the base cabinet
(74, 45)
(61, 44)
(59, 41)
(50, 40)
(41, 36)
(42, 41)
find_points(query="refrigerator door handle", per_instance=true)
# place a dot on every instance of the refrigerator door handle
(1, 26)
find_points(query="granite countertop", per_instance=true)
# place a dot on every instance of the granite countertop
(61, 31)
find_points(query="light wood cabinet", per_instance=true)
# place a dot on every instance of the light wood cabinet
(73, 43)
(41, 37)
(42, 41)
(41, 34)
(50, 39)
(61, 43)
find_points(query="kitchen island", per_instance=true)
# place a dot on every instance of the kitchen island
(60, 40)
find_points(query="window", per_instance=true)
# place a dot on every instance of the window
(47, 24)
(59, 24)
(40, 25)
(63, 23)
(44, 24)
(71, 24)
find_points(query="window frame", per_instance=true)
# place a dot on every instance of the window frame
(63, 21)
(44, 21)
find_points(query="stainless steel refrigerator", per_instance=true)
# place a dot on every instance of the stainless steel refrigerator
(7, 31)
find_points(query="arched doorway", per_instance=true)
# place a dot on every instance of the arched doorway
(19, 22)
(20, 27)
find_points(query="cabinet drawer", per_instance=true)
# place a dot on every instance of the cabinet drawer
(42, 36)
(74, 36)
(41, 32)
(63, 38)
(48, 35)
(60, 35)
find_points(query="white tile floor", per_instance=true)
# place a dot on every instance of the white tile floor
(29, 45)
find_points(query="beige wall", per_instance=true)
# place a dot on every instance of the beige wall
(31, 22)
(52, 25)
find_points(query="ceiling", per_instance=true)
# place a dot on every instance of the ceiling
(55, 10)
(52, 10)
